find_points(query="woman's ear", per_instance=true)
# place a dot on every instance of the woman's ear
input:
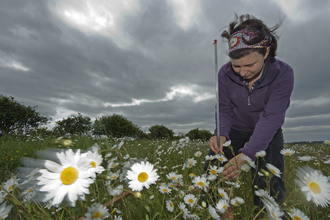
(267, 52)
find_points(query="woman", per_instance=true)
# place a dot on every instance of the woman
(254, 94)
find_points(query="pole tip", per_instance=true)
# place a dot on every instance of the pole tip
(215, 41)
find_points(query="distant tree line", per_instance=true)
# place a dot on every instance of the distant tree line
(17, 119)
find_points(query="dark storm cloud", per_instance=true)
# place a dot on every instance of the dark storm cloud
(71, 70)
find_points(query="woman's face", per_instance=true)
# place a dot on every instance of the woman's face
(250, 66)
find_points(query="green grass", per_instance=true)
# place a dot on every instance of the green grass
(12, 149)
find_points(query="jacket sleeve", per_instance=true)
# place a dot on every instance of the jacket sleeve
(225, 105)
(272, 118)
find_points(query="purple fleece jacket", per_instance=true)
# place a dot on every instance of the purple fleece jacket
(263, 111)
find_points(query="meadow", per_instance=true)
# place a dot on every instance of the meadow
(176, 193)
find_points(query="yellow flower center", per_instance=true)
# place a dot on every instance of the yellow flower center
(190, 165)
(171, 204)
(287, 153)
(173, 177)
(221, 159)
(69, 175)
(296, 218)
(273, 171)
(164, 190)
(213, 172)
(114, 177)
(30, 190)
(191, 201)
(200, 184)
(223, 195)
(142, 177)
(11, 188)
(198, 155)
(97, 215)
(224, 207)
(93, 164)
(315, 188)
(192, 174)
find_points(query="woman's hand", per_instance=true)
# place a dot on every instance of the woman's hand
(233, 167)
(214, 144)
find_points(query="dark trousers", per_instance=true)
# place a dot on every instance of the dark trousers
(273, 156)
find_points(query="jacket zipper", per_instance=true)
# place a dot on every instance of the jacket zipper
(249, 97)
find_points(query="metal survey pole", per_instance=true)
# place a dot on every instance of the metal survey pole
(217, 91)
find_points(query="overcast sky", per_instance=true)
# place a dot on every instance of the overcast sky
(153, 61)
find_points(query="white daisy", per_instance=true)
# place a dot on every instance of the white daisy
(165, 189)
(240, 200)
(274, 170)
(314, 185)
(274, 212)
(172, 176)
(191, 162)
(235, 184)
(223, 193)
(114, 176)
(97, 212)
(201, 182)
(212, 177)
(245, 168)
(116, 191)
(209, 157)
(112, 164)
(94, 148)
(182, 207)
(172, 185)
(4, 210)
(213, 170)
(260, 174)
(222, 205)
(213, 213)
(287, 152)
(192, 175)
(10, 184)
(222, 158)
(108, 155)
(169, 205)
(261, 153)
(305, 158)
(141, 175)
(234, 202)
(191, 188)
(265, 195)
(227, 143)
(297, 214)
(181, 194)
(95, 160)
(249, 161)
(29, 193)
(190, 200)
(71, 178)
(327, 141)
(198, 154)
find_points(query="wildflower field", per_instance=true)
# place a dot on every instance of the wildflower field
(100, 178)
